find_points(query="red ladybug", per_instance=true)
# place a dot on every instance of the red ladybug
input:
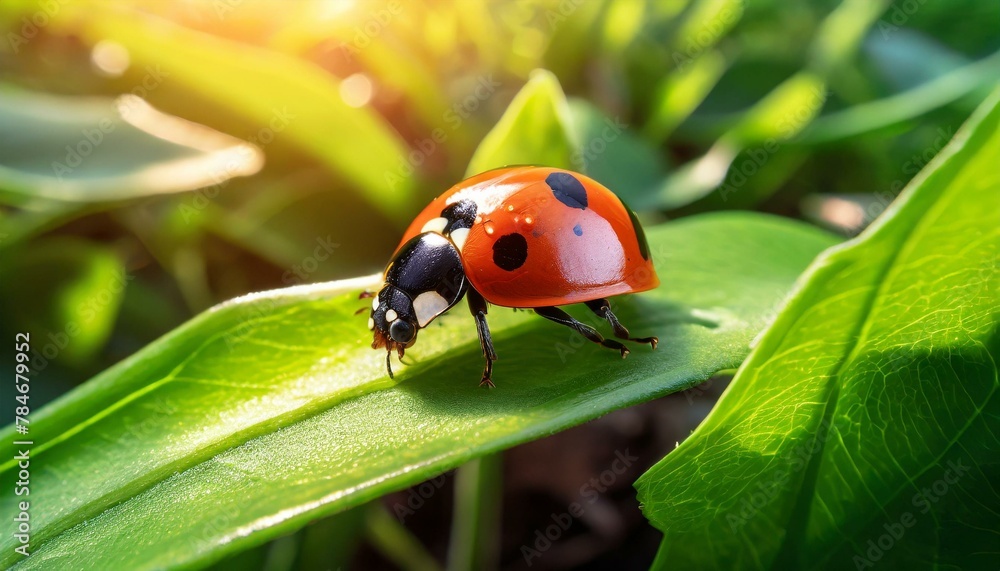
(521, 237)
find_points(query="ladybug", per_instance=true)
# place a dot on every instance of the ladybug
(524, 237)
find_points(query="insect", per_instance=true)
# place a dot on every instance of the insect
(520, 237)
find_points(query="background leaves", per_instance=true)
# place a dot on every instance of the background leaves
(364, 111)
(106, 150)
(868, 410)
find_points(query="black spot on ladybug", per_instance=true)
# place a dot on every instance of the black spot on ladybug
(510, 252)
(578, 230)
(640, 234)
(462, 214)
(567, 189)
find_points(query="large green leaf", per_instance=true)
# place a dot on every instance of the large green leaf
(270, 411)
(864, 427)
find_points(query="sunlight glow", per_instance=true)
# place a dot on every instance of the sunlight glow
(110, 58)
(356, 90)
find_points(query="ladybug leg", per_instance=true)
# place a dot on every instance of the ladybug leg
(563, 318)
(478, 307)
(603, 309)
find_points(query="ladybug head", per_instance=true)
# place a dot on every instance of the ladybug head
(423, 280)
(393, 319)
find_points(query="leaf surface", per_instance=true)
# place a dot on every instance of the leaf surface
(271, 411)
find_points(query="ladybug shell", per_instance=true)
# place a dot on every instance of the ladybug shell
(542, 237)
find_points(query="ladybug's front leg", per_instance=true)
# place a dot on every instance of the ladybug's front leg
(478, 307)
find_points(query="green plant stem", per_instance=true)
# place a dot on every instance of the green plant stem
(476, 519)
(395, 542)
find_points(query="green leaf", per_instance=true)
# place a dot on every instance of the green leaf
(782, 113)
(904, 106)
(869, 408)
(272, 410)
(539, 120)
(910, 59)
(97, 149)
(682, 91)
(704, 23)
(290, 97)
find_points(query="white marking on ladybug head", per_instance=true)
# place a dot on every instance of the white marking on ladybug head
(459, 236)
(435, 225)
(375, 303)
(390, 315)
(429, 305)
(371, 323)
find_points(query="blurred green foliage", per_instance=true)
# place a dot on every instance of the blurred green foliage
(264, 144)
(366, 110)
